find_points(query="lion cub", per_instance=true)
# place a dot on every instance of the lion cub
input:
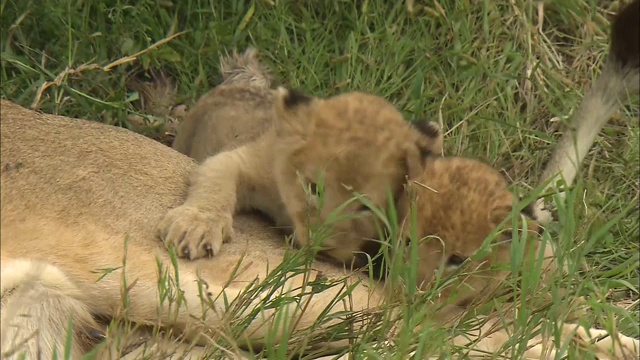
(305, 158)
(458, 203)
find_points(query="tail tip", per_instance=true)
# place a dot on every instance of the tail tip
(625, 36)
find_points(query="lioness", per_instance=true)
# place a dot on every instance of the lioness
(620, 77)
(266, 146)
(77, 243)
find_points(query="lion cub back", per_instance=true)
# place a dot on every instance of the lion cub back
(234, 113)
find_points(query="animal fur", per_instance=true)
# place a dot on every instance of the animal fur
(620, 77)
(78, 218)
(260, 148)
(73, 210)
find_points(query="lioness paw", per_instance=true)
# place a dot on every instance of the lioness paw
(194, 233)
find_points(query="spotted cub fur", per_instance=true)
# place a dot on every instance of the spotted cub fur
(459, 202)
(309, 156)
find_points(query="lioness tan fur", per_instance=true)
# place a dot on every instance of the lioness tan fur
(620, 77)
(263, 147)
(69, 206)
(78, 219)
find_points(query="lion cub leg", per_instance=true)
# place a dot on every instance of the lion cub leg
(223, 184)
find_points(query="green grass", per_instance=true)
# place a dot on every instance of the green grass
(484, 68)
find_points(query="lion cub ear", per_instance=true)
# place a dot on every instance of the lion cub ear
(293, 112)
(428, 142)
(431, 141)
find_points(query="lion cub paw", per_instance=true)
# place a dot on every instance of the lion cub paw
(194, 233)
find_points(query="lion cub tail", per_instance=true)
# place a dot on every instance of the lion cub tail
(245, 69)
(38, 300)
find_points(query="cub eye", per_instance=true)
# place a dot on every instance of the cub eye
(455, 260)
(363, 208)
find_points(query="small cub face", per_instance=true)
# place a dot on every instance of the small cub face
(459, 203)
(327, 150)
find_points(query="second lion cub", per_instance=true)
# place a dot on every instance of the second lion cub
(301, 160)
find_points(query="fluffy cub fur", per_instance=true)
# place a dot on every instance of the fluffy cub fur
(300, 160)
(459, 203)
(224, 120)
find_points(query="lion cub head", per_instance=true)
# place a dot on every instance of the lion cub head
(329, 150)
(459, 203)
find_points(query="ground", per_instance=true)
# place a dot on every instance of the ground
(500, 76)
